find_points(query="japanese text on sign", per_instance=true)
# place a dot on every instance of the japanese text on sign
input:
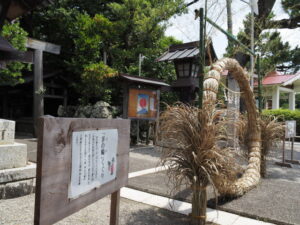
(94, 155)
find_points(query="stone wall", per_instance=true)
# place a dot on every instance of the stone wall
(99, 110)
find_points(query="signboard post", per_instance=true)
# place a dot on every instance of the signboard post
(79, 162)
(290, 133)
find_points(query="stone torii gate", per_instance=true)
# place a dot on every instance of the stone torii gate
(38, 88)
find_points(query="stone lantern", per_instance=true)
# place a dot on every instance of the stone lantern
(186, 60)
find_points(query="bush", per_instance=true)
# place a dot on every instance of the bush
(285, 114)
(12, 74)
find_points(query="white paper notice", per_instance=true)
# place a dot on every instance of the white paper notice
(94, 155)
(290, 128)
(152, 104)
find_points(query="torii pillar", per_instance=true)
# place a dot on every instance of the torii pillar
(38, 88)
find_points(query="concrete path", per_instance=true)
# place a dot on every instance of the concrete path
(216, 216)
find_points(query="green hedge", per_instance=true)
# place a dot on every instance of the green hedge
(285, 114)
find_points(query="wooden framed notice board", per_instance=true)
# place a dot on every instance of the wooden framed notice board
(143, 104)
(79, 162)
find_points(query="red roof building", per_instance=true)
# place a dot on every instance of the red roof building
(276, 77)
(275, 83)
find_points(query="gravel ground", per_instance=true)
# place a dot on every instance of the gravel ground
(19, 211)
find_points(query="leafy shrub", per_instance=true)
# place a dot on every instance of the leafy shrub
(285, 114)
(12, 74)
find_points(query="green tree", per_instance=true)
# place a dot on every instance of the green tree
(265, 22)
(12, 74)
(292, 7)
(95, 82)
(275, 53)
(122, 29)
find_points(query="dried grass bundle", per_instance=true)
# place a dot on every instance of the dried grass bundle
(272, 132)
(189, 138)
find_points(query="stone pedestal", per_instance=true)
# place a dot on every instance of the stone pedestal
(7, 131)
(17, 178)
(13, 156)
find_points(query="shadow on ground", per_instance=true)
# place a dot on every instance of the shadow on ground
(158, 217)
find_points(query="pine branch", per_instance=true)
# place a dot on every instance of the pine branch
(286, 23)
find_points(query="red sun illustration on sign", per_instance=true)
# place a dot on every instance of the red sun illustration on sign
(143, 102)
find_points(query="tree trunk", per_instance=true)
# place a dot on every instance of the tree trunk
(199, 202)
(251, 176)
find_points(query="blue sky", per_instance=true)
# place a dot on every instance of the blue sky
(186, 28)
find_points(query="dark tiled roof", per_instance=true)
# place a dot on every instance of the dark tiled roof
(186, 50)
(144, 80)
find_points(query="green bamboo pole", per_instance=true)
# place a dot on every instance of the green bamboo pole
(201, 58)
(259, 84)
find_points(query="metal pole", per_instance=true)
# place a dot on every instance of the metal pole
(201, 58)
(252, 47)
(259, 85)
(292, 149)
(138, 122)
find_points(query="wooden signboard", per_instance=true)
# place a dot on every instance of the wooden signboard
(143, 104)
(79, 162)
